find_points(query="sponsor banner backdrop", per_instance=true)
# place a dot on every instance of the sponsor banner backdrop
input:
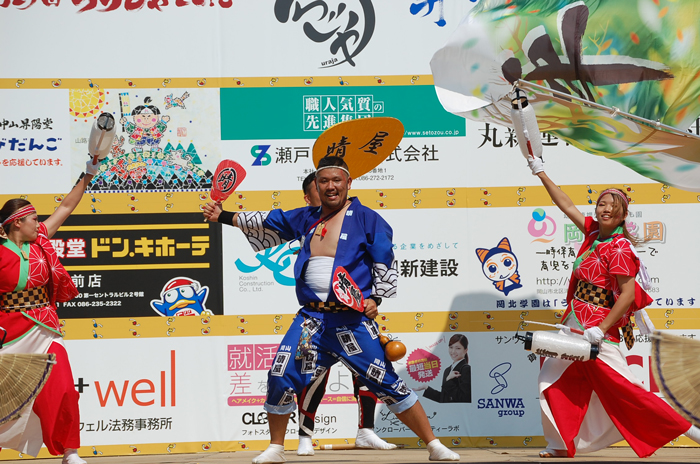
(177, 147)
(284, 164)
(161, 396)
(35, 142)
(228, 38)
(258, 85)
(498, 154)
(307, 111)
(543, 243)
(138, 265)
(171, 394)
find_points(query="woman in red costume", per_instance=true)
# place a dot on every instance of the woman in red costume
(587, 406)
(32, 280)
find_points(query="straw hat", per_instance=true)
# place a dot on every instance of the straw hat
(21, 378)
(674, 362)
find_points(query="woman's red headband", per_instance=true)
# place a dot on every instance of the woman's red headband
(19, 214)
(615, 192)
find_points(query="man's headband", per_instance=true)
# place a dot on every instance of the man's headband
(615, 192)
(19, 214)
(329, 167)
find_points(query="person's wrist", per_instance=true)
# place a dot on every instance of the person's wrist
(92, 169)
(377, 300)
(226, 217)
(536, 165)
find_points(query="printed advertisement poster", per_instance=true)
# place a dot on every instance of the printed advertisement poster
(177, 320)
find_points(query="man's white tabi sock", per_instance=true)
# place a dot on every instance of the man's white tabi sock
(306, 446)
(273, 454)
(440, 452)
(366, 438)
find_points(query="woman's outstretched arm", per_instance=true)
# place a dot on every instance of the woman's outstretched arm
(563, 201)
(70, 201)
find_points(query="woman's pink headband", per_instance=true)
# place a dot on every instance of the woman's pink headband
(19, 214)
(615, 192)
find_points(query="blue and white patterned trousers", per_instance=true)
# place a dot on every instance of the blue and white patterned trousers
(356, 345)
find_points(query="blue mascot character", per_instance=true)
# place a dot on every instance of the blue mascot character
(500, 266)
(182, 296)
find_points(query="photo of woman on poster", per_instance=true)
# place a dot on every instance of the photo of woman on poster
(457, 378)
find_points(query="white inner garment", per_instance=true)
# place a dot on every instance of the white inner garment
(318, 275)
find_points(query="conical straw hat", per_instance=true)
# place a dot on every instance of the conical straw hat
(21, 378)
(675, 365)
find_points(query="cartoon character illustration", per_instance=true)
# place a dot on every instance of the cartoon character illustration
(117, 144)
(148, 127)
(182, 296)
(176, 102)
(500, 266)
(179, 158)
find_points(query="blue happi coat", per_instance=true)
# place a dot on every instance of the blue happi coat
(364, 249)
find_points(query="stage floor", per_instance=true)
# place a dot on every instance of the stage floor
(402, 456)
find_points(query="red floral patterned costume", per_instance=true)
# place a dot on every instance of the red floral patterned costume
(587, 406)
(599, 263)
(57, 404)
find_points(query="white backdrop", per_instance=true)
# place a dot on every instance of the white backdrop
(170, 385)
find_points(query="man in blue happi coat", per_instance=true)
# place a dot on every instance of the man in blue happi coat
(342, 232)
(309, 399)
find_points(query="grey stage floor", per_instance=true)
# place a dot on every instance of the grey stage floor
(403, 456)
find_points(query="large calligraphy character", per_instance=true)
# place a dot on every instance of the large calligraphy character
(359, 39)
(376, 142)
(339, 148)
(539, 49)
